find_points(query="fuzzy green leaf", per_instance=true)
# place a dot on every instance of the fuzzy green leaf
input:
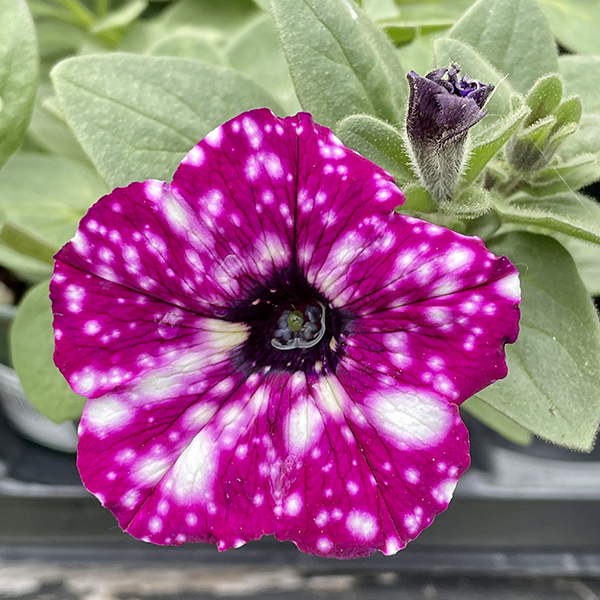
(486, 142)
(543, 98)
(554, 367)
(50, 133)
(18, 74)
(566, 177)
(341, 63)
(32, 347)
(472, 203)
(418, 199)
(44, 198)
(569, 112)
(379, 142)
(514, 35)
(572, 213)
(495, 420)
(256, 53)
(137, 116)
(188, 42)
(581, 75)
(587, 259)
(575, 23)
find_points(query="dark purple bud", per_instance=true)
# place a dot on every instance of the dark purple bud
(441, 109)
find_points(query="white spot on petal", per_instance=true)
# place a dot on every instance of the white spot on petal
(419, 420)
(509, 287)
(293, 505)
(362, 524)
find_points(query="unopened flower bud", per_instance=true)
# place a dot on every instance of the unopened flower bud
(442, 108)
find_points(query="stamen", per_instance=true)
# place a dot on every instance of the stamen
(297, 329)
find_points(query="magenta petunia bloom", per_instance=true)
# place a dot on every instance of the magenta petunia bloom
(268, 348)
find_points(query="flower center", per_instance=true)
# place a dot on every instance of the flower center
(300, 328)
(291, 326)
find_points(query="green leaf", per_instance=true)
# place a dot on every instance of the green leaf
(255, 52)
(120, 18)
(380, 10)
(26, 268)
(568, 112)
(544, 97)
(581, 75)
(537, 133)
(554, 367)
(378, 141)
(499, 105)
(418, 199)
(566, 177)
(223, 17)
(18, 74)
(587, 259)
(586, 138)
(45, 197)
(486, 142)
(340, 62)
(514, 35)
(188, 42)
(51, 133)
(402, 33)
(32, 347)
(418, 55)
(472, 203)
(495, 420)
(572, 213)
(57, 39)
(575, 23)
(440, 10)
(137, 116)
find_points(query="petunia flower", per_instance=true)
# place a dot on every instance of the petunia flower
(268, 348)
(441, 109)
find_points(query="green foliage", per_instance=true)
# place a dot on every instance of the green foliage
(189, 42)
(18, 74)
(575, 23)
(543, 98)
(495, 420)
(378, 141)
(256, 53)
(581, 75)
(418, 199)
(193, 64)
(487, 142)
(44, 198)
(471, 204)
(514, 35)
(48, 131)
(554, 367)
(340, 62)
(137, 117)
(32, 346)
(570, 213)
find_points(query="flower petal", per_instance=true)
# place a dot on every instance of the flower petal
(193, 431)
(108, 335)
(292, 451)
(200, 243)
(344, 202)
